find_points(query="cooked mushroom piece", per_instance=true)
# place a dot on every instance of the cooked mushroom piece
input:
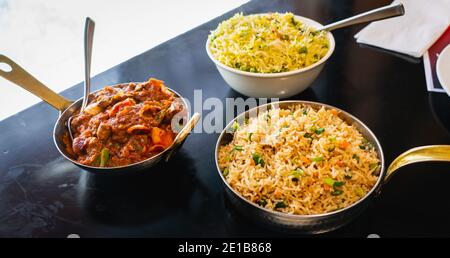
(103, 131)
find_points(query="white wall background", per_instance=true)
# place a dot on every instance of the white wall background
(46, 36)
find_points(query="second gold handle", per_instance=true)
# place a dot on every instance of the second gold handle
(419, 154)
(22, 78)
(184, 133)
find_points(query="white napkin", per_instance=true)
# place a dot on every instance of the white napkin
(413, 33)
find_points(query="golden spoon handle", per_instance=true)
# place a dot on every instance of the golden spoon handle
(22, 78)
(183, 134)
(419, 154)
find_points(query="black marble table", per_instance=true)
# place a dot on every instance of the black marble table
(43, 195)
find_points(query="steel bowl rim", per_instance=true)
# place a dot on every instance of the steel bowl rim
(372, 191)
(87, 167)
(282, 74)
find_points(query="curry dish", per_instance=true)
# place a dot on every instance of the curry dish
(124, 124)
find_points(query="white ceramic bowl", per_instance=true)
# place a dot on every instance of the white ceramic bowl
(274, 85)
(443, 69)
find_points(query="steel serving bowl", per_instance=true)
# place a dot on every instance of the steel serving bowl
(61, 128)
(320, 223)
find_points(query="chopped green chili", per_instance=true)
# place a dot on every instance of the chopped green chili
(225, 172)
(237, 147)
(317, 159)
(329, 181)
(319, 131)
(104, 157)
(359, 191)
(366, 144)
(373, 166)
(258, 159)
(303, 50)
(235, 126)
(279, 205)
(338, 184)
(298, 173)
(262, 202)
(337, 192)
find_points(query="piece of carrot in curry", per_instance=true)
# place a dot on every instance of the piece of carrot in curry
(161, 137)
(156, 82)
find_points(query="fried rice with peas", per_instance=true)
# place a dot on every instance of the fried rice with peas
(267, 43)
(299, 160)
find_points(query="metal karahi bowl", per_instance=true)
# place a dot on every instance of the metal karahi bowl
(61, 128)
(67, 108)
(321, 223)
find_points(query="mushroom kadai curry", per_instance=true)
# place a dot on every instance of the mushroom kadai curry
(124, 124)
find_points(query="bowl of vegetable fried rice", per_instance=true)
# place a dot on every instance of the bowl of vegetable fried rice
(269, 55)
(300, 165)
